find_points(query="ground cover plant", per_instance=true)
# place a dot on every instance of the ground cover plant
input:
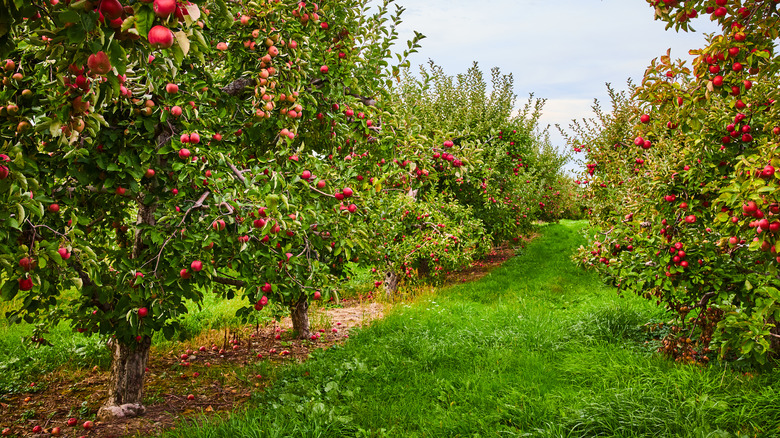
(536, 348)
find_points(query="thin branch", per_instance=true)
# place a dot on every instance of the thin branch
(229, 281)
(237, 173)
(321, 193)
(198, 204)
(96, 221)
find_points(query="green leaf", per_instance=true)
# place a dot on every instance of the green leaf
(178, 54)
(76, 34)
(118, 57)
(9, 290)
(69, 16)
(144, 19)
(128, 23)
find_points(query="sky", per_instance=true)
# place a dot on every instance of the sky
(561, 50)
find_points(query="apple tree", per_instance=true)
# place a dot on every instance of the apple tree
(693, 156)
(465, 171)
(155, 151)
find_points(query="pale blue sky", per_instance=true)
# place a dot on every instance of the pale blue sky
(562, 50)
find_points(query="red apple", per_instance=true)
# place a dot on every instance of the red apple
(317, 296)
(54, 208)
(72, 421)
(164, 8)
(171, 88)
(98, 63)
(184, 154)
(194, 138)
(196, 266)
(25, 284)
(88, 424)
(347, 192)
(111, 9)
(142, 312)
(160, 37)
(25, 263)
(176, 111)
(149, 173)
(64, 253)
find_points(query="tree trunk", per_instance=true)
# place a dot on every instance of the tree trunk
(300, 318)
(126, 381)
(774, 338)
(391, 284)
(424, 269)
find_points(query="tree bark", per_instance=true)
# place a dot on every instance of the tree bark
(126, 381)
(300, 318)
(391, 284)
(774, 340)
(424, 269)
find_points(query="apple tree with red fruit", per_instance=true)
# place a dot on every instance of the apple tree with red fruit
(153, 152)
(683, 179)
(467, 172)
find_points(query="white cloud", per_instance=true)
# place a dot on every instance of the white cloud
(562, 50)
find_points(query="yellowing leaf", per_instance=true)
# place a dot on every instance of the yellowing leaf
(193, 11)
(184, 42)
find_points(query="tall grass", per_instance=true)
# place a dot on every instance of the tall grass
(536, 348)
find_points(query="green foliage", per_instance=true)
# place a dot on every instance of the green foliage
(430, 236)
(471, 162)
(683, 191)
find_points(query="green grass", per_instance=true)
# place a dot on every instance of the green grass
(537, 348)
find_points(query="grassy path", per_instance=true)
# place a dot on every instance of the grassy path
(537, 348)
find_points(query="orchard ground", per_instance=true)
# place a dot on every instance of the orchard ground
(47, 385)
(536, 347)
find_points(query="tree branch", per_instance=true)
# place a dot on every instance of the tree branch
(229, 281)
(198, 204)
(237, 173)
(238, 86)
